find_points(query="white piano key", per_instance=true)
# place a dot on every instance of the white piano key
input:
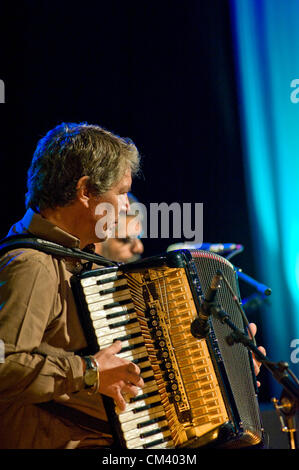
(109, 339)
(98, 309)
(129, 415)
(104, 301)
(142, 403)
(108, 298)
(139, 443)
(146, 374)
(135, 433)
(132, 341)
(89, 281)
(133, 424)
(107, 322)
(96, 288)
(125, 330)
(103, 331)
(137, 353)
(146, 364)
(148, 387)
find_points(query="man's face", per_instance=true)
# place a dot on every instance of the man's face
(126, 246)
(108, 206)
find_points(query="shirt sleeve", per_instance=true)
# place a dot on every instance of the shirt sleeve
(28, 292)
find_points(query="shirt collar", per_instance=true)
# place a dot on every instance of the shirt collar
(37, 225)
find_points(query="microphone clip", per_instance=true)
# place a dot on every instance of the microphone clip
(200, 326)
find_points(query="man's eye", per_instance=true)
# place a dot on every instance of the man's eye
(125, 240)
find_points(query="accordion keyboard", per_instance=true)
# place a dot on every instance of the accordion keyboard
(151, 313)
(114, 317)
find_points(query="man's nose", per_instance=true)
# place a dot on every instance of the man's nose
(137, 246)
(123, 204)
(127, 202)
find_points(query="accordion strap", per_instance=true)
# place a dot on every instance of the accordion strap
(28, 241)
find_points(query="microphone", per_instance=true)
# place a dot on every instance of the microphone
(200, 326)
(214, 247)
(265, 290)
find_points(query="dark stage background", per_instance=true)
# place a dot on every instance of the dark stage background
(160, 72)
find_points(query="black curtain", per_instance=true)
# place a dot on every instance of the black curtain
(159, 72)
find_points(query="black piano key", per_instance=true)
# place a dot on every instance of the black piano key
(111, 290)
(147, 379)
(150, 421)
(120, 313)
(109, 279)
(144, 396)
(155, 443)
(139, 360)
(153, 432)
(133, 346)
(117, 303)
(127, 337)
(147, 407)
(123, 323)
(145, 369)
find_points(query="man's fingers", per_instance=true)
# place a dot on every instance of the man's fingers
(263, 351)
(115, 347)
(130, 390)
(252, 330)
(119, 400)
(138, 381)
(133, 368)
(123, 394)
(133, 375)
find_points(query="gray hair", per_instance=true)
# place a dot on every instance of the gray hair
(70, 151)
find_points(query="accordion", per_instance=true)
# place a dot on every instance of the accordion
(198, 392)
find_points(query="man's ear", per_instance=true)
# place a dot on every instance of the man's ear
(83, 193)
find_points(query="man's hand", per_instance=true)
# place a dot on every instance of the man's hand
(256, 363)
(117, 376)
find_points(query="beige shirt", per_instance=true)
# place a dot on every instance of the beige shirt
(41, 331)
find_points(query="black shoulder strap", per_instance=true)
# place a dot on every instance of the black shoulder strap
(28, 241)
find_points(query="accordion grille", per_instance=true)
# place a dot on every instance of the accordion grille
(235, 359)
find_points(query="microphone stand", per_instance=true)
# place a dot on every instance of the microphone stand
(279, 370)
(261, 288)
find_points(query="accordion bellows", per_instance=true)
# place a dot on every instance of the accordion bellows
(198, 392)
